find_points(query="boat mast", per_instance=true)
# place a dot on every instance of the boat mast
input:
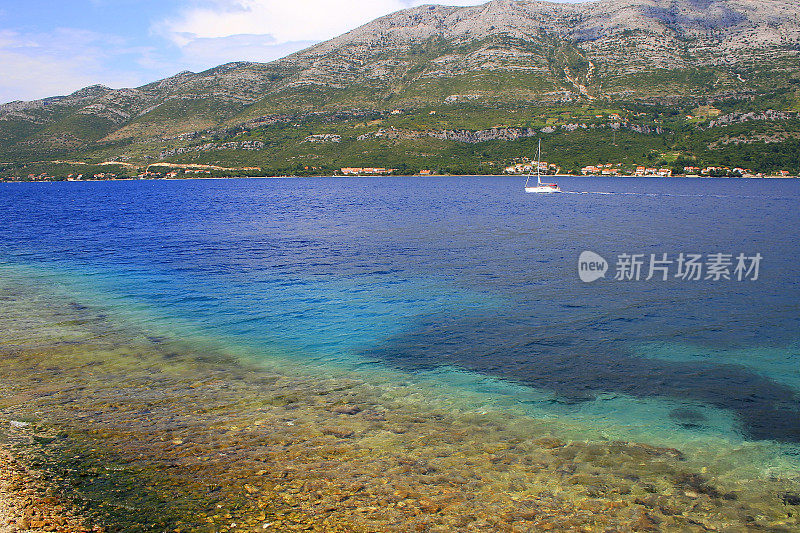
(538, 178)
(538, 166)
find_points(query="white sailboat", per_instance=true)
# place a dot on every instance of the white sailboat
(540, 187)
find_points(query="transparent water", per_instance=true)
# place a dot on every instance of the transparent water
(467, 286)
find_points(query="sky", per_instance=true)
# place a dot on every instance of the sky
(55, 47)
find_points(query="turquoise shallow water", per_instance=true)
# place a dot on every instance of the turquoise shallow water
(462, 285)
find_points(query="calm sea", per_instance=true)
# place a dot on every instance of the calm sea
(464, 282)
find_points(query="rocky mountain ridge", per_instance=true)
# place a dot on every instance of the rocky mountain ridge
(503, 54)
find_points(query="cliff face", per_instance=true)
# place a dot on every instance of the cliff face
(505, 52)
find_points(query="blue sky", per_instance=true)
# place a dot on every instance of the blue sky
(55, 47)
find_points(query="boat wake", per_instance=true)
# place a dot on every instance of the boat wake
(656, 195)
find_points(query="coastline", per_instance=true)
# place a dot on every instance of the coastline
(434, 176)
(350, 459)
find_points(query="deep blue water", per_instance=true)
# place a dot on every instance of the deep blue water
(459, 273)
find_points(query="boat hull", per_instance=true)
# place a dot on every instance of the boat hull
(543, 189)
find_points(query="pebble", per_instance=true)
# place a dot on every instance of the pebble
(406, 468)
(27, 502)
(338, 432)
(347, 409)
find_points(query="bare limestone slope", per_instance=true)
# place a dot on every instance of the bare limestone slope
(505, 52)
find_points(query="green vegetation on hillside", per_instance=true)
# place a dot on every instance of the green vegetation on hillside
(473, 99)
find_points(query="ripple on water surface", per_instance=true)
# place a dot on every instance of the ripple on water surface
(327, 349)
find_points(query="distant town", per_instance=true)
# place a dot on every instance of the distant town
(523, 168)
(609, 169)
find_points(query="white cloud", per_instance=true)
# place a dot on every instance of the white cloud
(29, 78)
(40, 65)
(284, 20)
(280, 23)
(202, 53)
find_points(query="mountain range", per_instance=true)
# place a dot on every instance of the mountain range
(461, 88)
